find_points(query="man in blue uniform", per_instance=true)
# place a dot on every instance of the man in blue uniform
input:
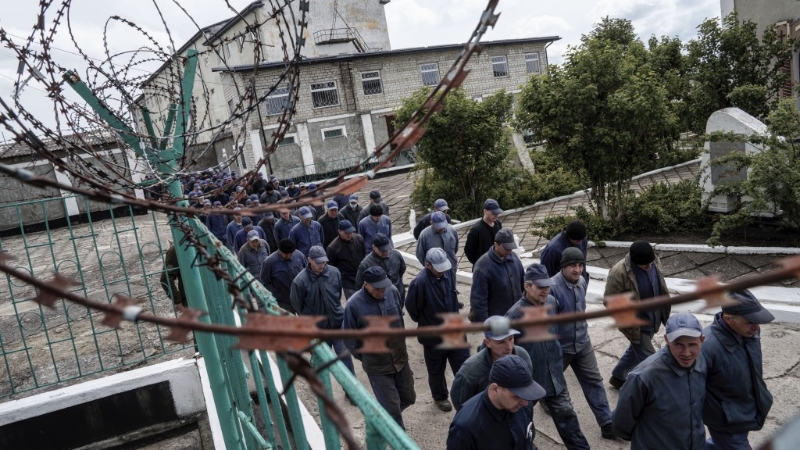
(502, 416)
(280, 269)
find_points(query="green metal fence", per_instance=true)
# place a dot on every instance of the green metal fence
(106, 252)
(253, 417)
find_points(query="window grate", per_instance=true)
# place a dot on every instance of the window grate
(277, 101)
(371, 82)
(324, 94)
(430, 74)
(532, 62)
(500, 66)
(331, 133)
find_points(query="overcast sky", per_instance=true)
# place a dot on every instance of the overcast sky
(412, 23)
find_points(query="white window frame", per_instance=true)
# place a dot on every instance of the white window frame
(372, 75)
(286, 136)
(423, 70)
(275, 96)
(497, 60)
(530, 58)
(335, 89)
(341, 127)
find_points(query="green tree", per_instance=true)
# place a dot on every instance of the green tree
(605, 111)
(729, 66)
(464, 154)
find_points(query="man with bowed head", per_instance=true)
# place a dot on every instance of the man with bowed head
(376, 222)
(308, 232)
(473, 377)
(497, 278)
(346, 253)
(501, 417)
(737, 398)
(661, 403)
(481, 236)
(280, 269)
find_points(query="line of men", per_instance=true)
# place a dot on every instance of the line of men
(309, 273)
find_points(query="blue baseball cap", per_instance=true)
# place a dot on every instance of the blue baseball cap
(493, 206)
(346, 226)
(499, 328)
(377, 278)
(748, 307)
(537, 273)
(512, 373)
(683, 324)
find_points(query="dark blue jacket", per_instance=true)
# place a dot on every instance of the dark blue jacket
(306, 237)
(241, 237)
(551, 255)
(230, 235)
(661, 404)
(428, 296)
(570, 297)
(730, 404)
(496, 285)
(478, 425)
(217, 224)
(546, 356)
(360, 305)
(283, 228)
(368, 228)
(277, 275)
(319, 295)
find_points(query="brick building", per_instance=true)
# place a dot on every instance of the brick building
(346, 102)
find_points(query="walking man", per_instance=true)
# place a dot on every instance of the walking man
(352, 211)
(330, 223)
(387, 258)
(569, 290)
(253, 253)
(497, 279)
(737, 399)
(308, 232)
(439, 205)
(317, 291)
(442, 235)
(285, 224)
(389, 373)
(573, 235)
(346, 253)
(640, 274)
(430, 293)
(661, 403)
(375, 223)
(481, 236)
(280, 269)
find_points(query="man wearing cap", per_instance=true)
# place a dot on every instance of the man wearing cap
(546, 356)
(473, 377)
(267, 224)
(569, 290)
(375, 199)
(247, 226)
(352, 211)
(661, 403)
(502, 416)
(308, 232)
(284, 225)
(389, 373)
(497, 279)
(319, 210)
(317, 291)
(430, 293)
(439, 234)
(270, 195)
(280, 269)
(387, 258)
(291, 189)
(737, 399)
(638, 273)
(217, 224)
(439, 205)
(330, 223)
(375, 223)
(346, 253)
(234, 227)
(253, 253)
(573, 235)
(481, 236)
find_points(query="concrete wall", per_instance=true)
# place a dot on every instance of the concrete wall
(764, 12)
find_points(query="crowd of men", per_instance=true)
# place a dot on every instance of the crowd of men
(310, 259)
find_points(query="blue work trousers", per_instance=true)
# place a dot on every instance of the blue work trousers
(584, 365)
(566, 421)
(436, 362)
(339, 349)
(395, 392)
(721, 440)
(635, 354)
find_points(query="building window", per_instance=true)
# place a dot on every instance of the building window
(371, 82)
(430, 74)
(288, 139)
(277, 101)
(333, 132)
(230, 106)
(242, 159)
(324, 94)
(532, 62)
(499, 66)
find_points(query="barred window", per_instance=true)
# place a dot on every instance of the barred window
(500, 66)
(371, 82)
(324, 94)
(287, 140)
(277, 101)
(430, 74)
(334, 132)
(532, 62)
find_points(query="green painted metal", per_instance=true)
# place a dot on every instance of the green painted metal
(332, 440)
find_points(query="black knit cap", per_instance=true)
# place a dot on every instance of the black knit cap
(287, 245)
(575, 230)
(642, 253)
